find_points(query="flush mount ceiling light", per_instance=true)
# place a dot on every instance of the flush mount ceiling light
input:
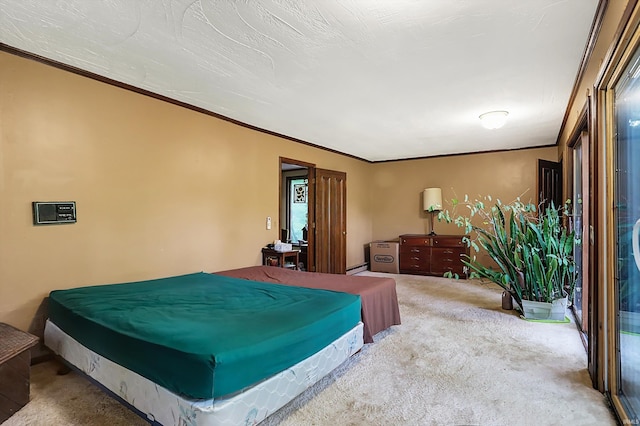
(493, 119)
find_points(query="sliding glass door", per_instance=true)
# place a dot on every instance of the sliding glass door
(626, 186)
(577, 227)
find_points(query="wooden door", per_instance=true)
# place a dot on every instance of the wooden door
(331, 221)
(549, 184)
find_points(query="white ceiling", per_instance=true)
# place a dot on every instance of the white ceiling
(376, 79)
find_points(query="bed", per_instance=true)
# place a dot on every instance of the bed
(204, 349)
(378, 294)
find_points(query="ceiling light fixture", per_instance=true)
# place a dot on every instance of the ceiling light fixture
(493, 119)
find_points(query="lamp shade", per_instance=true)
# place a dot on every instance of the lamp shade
(432, 199)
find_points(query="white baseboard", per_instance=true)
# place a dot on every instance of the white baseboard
(352, 270)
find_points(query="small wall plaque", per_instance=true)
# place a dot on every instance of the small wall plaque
(54, 212)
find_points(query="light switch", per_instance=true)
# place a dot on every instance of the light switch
(268, 222)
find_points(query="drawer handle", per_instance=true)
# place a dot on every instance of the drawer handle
(448, 251)
(415, 258)
(415, 250)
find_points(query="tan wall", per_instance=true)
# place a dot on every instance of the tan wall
(164, 190)
(397, 206)
(160, 189)
(601, 292)
(613, 16)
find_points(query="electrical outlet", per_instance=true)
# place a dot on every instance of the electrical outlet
(268, 222)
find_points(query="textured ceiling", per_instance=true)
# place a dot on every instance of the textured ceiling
(379, 80)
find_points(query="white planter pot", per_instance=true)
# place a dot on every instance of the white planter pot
(554, 311)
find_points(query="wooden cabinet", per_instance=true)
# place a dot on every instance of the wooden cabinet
(423, 254)
(15, 369)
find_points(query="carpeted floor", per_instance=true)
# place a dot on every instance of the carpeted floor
(457, 359)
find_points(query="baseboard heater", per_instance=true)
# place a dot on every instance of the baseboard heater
(351, 270)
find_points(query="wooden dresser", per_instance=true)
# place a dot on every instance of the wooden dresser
(423, 254)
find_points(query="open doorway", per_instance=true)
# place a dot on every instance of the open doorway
(323, 243)
(296, 218)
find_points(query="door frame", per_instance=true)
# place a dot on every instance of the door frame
(311, 174)
(625, 44)
(590, 302)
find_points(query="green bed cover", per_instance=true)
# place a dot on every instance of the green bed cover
(200, 335)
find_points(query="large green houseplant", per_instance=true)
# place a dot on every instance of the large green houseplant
(532, 250)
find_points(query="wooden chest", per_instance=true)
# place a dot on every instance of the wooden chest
(15, 369)
(424, 254)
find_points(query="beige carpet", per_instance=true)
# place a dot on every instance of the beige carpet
(457, 359)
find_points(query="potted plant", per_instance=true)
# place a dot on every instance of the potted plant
(532, 251)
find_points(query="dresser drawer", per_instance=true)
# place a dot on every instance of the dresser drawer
(415, 250)
(441, 269)
(413, 268)
(443, 253)
(447, 259)
(414, 259)
(410, 258)
(415, 240)
(448, 242)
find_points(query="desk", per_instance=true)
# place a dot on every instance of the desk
(15, 369)
(271, 257)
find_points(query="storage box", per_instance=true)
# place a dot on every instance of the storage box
(383, 256)
(283, 247)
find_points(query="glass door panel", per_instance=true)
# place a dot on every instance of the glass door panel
(626, 220)
(577, 227)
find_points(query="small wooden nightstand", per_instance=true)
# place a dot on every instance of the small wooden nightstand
(15, 369)
(280, 258)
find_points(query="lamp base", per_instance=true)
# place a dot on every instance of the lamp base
(431, 229)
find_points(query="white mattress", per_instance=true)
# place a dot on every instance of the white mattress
(162, 406)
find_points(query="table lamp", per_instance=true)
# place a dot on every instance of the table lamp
(432, 203)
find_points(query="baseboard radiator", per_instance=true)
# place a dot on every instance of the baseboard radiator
(351, 270)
